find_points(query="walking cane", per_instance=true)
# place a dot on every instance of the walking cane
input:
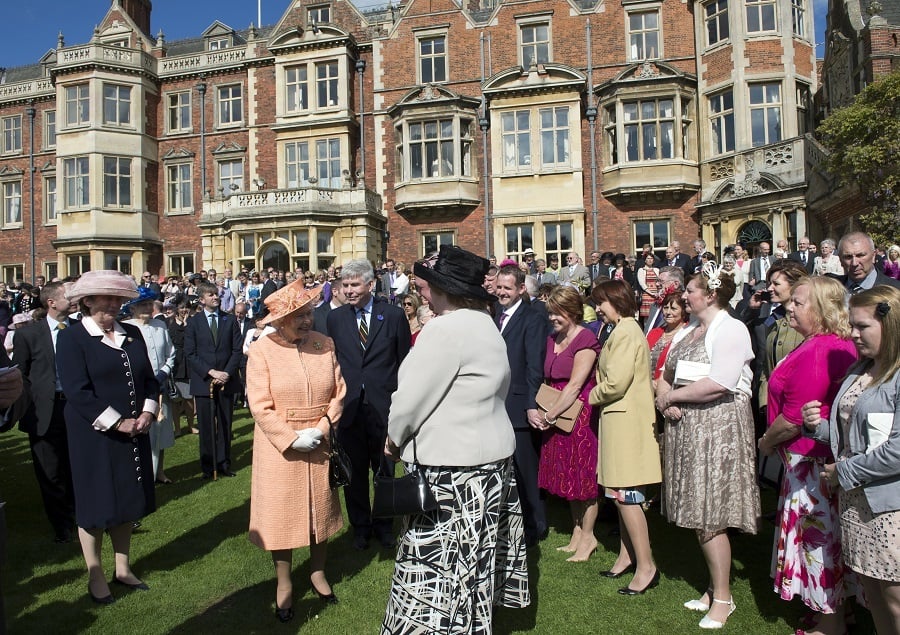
(215, 427)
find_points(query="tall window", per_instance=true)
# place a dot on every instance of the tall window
(433, 241)
(535, 43)
(12, 133)
(516, 139)
(318, 15)
(179, 111)
(721, 120)
(765, 113)
(12, 203)
(798, 15)
(327, 84)
(116, 104)
(179, 188)
(328, 163)
(78, 264)
(13, 273)
(51, 270)
(643, 35)
(76, 182)
(716, 21)
(117, 261)
(78, 110)
(554, 136)
(324, 241)
(116, 182)
(49, 128)
(558, 240)
(231, 108)
(180, 264)
(518, 239)
(296, 89)
(50, 213)
(431, 149)
(649, 129)
(651, 232)
(433, 59)
(296, 164)
(760, 15)
(231, 176)
(803, 105)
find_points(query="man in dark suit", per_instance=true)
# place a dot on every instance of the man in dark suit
(148, 282)
(596, 268)
(525, 334)
(35, 354)
(387, 280)
(244, 324)
(857, 253)
(320, 314)
(696, 263)
(803, 255)
(674, 258)
(372, 338)
(213, 349)
(270, 286)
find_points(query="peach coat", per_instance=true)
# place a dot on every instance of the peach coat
(288, 389)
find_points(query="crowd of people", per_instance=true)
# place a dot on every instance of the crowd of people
(669, 377)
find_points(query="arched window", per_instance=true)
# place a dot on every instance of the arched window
(276, 255)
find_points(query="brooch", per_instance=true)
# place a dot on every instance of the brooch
(129, 339)
(317, 346)
(380, 317)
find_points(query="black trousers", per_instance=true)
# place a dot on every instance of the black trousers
(50, 456)
(364, 442)
(527, 457)
(218, 436)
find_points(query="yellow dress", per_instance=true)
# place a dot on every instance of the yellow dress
(290, 388)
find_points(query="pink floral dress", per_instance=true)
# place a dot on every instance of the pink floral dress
(808, 540)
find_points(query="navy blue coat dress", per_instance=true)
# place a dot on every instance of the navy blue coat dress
(112, 473)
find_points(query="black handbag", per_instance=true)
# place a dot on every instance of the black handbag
(339, 469)
(404, 495)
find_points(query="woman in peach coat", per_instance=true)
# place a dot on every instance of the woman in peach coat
(295, 389)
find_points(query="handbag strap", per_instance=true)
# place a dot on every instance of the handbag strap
(415, 459)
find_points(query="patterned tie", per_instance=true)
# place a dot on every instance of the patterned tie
(214, 328)
(61, 326)
(363, 329)
(503, 317)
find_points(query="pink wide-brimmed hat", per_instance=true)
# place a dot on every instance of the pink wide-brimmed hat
(288, 300)
(103, 282)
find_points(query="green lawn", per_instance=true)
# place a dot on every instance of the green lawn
(206, 577)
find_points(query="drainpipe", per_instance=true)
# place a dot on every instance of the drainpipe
(484, 125)
(591, 114)
(361, 173)
(201, 88)
(30, 111)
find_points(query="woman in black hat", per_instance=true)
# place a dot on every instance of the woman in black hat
(456, 563)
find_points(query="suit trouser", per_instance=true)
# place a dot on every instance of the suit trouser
(527, 456)
(50, 456)
(221, 432)
(364, 442)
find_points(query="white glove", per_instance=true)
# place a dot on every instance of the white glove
(307, 440)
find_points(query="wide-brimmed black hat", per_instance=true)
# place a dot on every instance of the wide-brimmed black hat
(456, 271)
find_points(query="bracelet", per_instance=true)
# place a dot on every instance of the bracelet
(117, 424)
(551, 422)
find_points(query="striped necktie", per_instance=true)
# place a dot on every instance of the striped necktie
(363, 329)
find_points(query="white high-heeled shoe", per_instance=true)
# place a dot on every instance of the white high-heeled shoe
(710, 624)
(699, 604)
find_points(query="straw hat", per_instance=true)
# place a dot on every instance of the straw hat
(103, 282)
(288, 300)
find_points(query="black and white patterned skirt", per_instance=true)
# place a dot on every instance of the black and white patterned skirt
(455, 564)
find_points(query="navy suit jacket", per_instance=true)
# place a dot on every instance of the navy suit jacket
(810, 260)
(204, 355)
(525, 334)
(880, 278)
(33, 352)
(375, 368)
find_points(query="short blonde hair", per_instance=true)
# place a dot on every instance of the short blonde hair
(826, 297)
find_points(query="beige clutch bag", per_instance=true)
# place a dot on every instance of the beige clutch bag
(547, 396)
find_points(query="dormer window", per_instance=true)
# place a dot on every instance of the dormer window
(318, 15)
(219, 43)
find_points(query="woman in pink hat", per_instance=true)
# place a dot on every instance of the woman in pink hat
(112, 397)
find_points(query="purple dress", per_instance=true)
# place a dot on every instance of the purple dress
(568, 465)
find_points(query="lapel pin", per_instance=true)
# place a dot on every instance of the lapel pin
(380, 317)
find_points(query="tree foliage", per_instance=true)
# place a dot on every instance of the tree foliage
(863, 140)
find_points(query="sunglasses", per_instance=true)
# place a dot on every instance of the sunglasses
(407, 304)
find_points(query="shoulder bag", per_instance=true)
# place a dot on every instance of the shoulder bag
(404, 495)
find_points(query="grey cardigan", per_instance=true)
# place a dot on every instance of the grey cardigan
(877, 472)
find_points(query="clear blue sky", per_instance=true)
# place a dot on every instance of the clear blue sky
(32, 25)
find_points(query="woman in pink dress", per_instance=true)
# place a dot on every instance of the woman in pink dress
(568, 464)
(808, 549)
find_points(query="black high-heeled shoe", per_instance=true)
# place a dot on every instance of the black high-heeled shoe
(614, 575)
(140, 586)
(109, 599)
(284, 615)
(654, 581)
(330, 598)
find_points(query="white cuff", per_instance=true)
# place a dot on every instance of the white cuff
(151, 406)
(107, 419)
